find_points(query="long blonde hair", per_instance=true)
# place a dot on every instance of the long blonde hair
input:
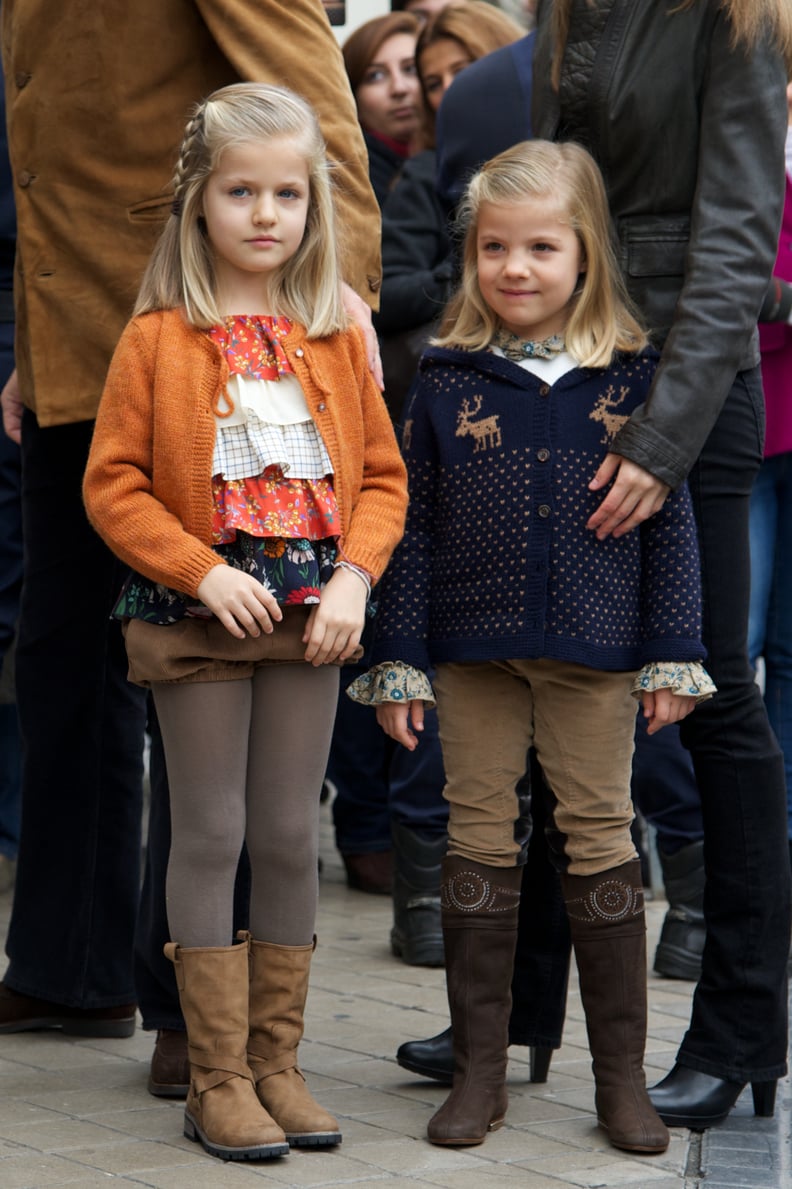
(750, 20)
(566, 176)
(181, 270)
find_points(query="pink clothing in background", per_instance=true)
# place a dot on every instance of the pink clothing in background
(775, 339)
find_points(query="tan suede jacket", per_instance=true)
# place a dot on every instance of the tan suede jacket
(148, 486)
(98, 95)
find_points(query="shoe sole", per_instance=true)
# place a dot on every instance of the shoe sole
(445, 1076)
(467, 1141)
(675, 963)
(430, 951)
(314, 1139)
(167, 1089)
(257, 1152)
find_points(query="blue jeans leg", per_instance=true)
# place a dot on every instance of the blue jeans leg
(358, 766)
(738, 1027)
(770, 620)
(78, 878)
(664, 787)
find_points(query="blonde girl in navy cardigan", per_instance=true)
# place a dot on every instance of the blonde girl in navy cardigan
(540, 633)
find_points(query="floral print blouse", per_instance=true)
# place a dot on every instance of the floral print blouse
(274, 509)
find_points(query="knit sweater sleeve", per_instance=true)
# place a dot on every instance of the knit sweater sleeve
(671, 583)
(118, 483)
(377, 507)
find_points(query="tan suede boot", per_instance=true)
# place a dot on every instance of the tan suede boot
(278, 990)
(223, 1112)
(606, 916)
(480, 907)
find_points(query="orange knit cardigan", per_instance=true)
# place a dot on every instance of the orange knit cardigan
(147, 485)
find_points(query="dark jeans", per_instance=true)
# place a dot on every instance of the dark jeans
(664, 787)
(541, 960)
(738, 1028)
(81, 722)
(379, 781)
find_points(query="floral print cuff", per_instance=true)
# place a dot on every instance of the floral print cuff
(688, 678)
(391, 681)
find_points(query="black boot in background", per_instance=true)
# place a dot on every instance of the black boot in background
(417, 933)
(679, 950)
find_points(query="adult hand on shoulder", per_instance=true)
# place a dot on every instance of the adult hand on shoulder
(335, 623)
(360, 313)
(635, 496)
(662, 707)
(11, 402)
(395, 718)
(240, 602)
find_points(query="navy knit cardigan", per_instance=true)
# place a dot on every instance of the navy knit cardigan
(496, 560)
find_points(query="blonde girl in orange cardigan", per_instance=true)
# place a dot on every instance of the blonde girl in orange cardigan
(244, 466)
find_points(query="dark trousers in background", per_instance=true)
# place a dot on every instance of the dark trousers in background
(742, 993)
(81, 723)
(379, 781)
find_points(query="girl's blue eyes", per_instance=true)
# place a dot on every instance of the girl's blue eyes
(244, 192)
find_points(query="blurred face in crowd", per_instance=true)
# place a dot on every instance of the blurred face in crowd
(389, 94)
(423, 9)
(440, 63)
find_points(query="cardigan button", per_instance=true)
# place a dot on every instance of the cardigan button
(24, 178)
(299, 352)
(544, 390)
(543, 454)
(321, 407)
(544, 511)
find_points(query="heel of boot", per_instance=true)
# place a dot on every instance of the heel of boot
(540, 1062)
(764, 1098)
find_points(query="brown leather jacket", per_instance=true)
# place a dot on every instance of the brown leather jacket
(689, 132)
(97, 96)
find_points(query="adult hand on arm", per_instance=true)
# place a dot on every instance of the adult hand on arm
(662, 707)
(635, 496)
(243, 605)
(360, 313)
(335, 623)
(12, 406)
(396, 718)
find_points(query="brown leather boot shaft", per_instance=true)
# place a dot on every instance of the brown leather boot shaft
(606, 916)
(479, 906)
(278, 991)
(222, 1110)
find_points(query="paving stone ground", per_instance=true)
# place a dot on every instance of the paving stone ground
(77, 1113)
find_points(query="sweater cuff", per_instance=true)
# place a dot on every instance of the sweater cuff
(687, 678)
(392, 681)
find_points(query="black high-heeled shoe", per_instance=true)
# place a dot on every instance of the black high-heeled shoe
(688, 1098)
(434, 1058)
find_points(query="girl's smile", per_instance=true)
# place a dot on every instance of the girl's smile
(255, 205)
(529, 263)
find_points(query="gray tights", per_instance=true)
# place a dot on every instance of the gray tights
(245, 762)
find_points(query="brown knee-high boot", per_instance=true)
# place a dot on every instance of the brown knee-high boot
(479, 909)
(278, 990)
(222, 1110)
(606, 916)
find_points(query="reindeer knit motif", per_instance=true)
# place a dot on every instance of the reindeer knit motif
(496, 561)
